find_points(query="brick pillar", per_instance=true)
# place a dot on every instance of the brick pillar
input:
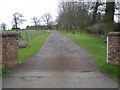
(9, 49)
(113, 48)
(0, 51)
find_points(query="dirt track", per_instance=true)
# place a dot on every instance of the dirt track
(61, 63)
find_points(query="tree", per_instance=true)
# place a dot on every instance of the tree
(72, 16)
(109, 17)
(94, 16)
(81, 15)
(47, 18)
(3, 26)
(17, 19)
(36, 21)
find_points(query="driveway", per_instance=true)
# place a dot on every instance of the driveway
(61, 63)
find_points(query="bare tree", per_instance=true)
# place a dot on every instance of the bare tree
(109, 17)
(72, 16)
(18, 19)
(3, 26)
(94, 15)
(36, 21)
(47, 18)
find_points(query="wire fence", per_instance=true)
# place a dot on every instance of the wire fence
(30, 34)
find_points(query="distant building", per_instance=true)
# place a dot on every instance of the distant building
(42, 27)
(36, 27)
(15, 28)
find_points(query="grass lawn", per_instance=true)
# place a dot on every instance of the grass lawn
(25, 53)
(96, 47)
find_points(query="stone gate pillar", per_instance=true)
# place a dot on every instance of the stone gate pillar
(113, 48)
(9, 49)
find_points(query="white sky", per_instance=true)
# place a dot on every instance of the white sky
(28, 8)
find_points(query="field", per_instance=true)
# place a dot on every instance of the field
(96, 47)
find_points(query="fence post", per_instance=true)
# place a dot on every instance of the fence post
(31, 35)
(26, 36)
(19, 36)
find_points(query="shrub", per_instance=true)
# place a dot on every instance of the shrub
(98, 29)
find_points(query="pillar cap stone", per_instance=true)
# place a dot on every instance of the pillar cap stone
(8, 34)
(114, 34)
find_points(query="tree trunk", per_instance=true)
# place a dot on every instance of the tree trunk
(94, 16)
(109, 17)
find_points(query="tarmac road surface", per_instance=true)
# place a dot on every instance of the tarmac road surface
(61, 63)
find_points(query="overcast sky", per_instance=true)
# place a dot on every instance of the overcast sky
(28, 8)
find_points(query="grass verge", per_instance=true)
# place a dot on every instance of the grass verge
(96, 47)
(35, 46)
(25, 53)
